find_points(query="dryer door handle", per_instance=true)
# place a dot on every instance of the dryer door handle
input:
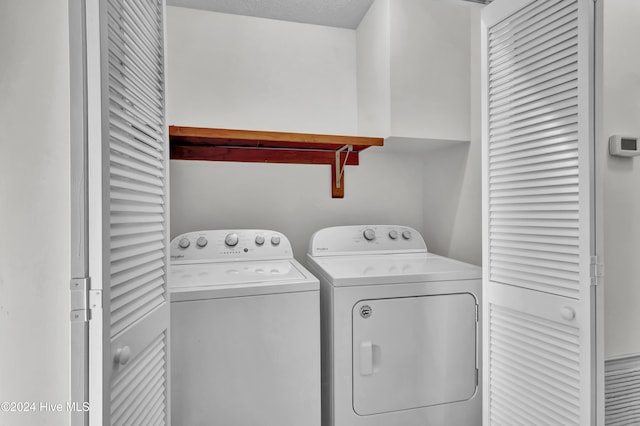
(366, 358)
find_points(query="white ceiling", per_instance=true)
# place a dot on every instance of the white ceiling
(332, 13)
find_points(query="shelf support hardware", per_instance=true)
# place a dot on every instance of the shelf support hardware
(340, 166)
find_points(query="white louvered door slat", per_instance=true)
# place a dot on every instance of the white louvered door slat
(622, 391)
(538, 212)
(128, 162)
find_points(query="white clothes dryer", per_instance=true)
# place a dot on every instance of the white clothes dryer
(245, 331)
(400, 330)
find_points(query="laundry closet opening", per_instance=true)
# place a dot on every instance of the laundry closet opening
(404, 72)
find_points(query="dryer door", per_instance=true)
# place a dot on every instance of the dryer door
(413, 352)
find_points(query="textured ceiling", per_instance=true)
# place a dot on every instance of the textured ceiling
(332, 13)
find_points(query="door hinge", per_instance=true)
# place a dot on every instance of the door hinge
(83, 299)
(597, 270)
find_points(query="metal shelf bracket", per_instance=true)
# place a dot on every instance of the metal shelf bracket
(341, 165)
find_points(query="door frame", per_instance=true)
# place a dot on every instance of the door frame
(600, 159)
(79, 195)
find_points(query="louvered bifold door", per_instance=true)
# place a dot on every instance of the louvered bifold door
(128, 213)
(538, 212)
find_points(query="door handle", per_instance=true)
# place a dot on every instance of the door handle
(366, 358)
(123, 355)
(568, 313)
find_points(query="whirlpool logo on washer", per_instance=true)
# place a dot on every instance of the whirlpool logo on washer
(365, 311)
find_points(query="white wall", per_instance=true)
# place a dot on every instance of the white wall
(452, 196)
(413, 70)
(240, 72)
(34, 208)
(373, 46)
(249, 73)
(418, 82)
(430, 69)
(465, 241)
(622, 178)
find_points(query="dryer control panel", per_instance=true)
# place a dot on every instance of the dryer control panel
(366, 239)
(229, 245)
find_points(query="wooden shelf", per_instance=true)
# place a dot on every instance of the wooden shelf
(196, 143)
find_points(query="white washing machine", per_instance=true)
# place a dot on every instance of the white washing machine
(245, 331)
(400, 330)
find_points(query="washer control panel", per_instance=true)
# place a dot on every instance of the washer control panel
(371, 239)
(229, 245)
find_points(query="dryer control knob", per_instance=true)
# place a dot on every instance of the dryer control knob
(393, 235)
(275, 240)
(406, 235)
(202, 242)
(369, 234)
(184, 243)
(231, 239)
(259, 240)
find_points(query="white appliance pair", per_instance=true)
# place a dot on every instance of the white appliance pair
(398, 326)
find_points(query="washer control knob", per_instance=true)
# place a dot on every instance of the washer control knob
(184, 243)
(275, 240)
(393, 235)
(406, 235)
(369, 234)
(231, 239)
(259, 240)
(202, 242)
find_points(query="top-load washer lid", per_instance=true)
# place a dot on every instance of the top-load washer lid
(232, 263)
(381, 254)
